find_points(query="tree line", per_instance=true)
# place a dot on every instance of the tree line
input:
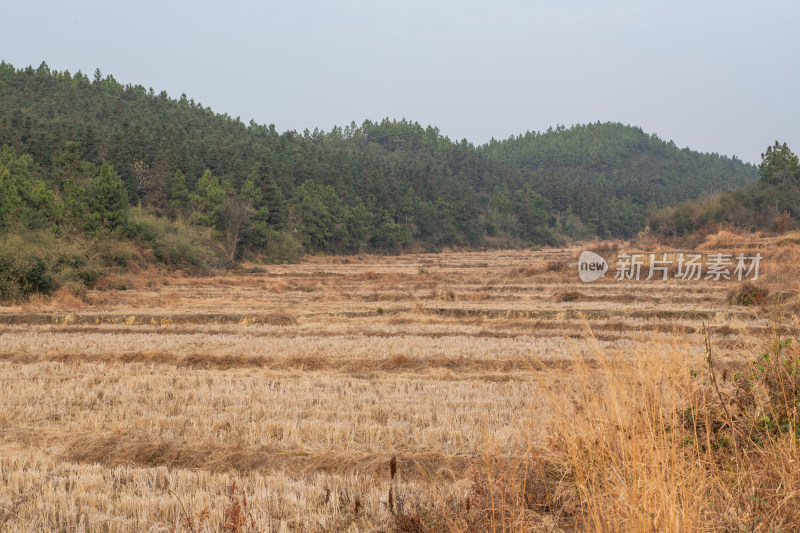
(80, 153)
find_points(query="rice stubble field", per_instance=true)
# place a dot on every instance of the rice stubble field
(360, 393)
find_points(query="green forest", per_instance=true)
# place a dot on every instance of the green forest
(115, 173)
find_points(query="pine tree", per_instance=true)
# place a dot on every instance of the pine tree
(206, 202)
(177, 195)
(109, 200)
(777, 164)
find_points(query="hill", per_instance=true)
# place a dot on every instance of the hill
(89, 158)
(610, 174)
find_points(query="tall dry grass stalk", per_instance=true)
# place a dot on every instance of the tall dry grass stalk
(665, 441)
(619, 434)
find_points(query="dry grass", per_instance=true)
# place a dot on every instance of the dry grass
(508, 396)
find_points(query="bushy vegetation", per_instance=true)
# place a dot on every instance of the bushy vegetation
(22, 275)
(73, 234)
(39, 262)
(772, 204)
(749, 294)
(171, 242)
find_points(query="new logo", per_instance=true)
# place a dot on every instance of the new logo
(591, 267)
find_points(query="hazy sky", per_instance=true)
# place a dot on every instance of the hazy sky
(715, 76)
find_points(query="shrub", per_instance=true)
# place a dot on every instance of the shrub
(23, 269)
(281, 247)
(557, 266)
(22, 275)
(748, 294)
(569, 296)
(173, 243)
(783, 223)
(40, 262)
(765, 401)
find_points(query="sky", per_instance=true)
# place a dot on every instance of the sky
(716, 76)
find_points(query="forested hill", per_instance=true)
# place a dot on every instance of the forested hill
(97, 146)
(593, 167)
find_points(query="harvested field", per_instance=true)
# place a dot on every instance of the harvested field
(300, 383)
